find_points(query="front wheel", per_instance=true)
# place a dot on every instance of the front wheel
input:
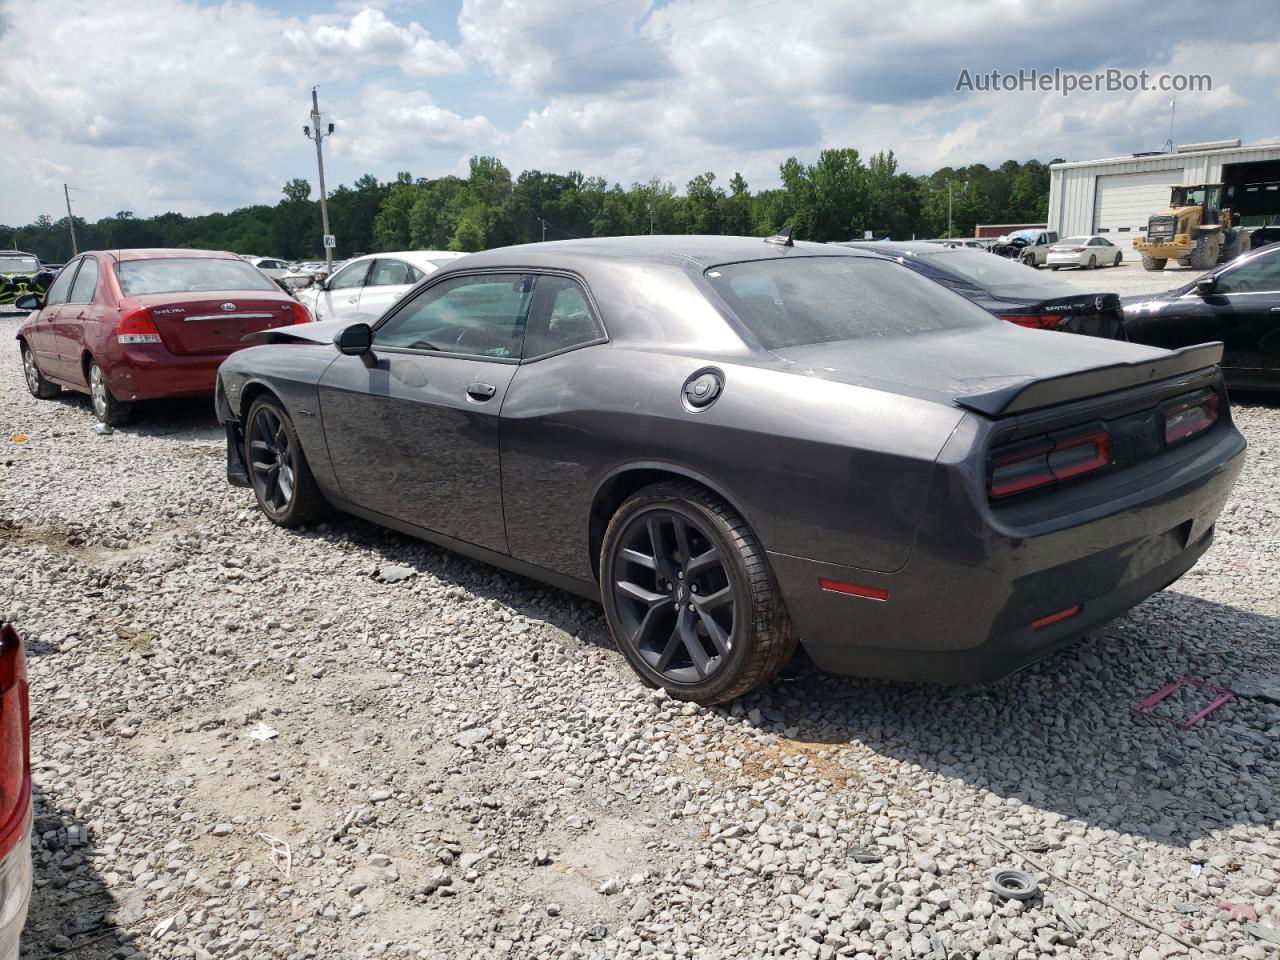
(1153, 263)
(40, 388)
(1029, 260)
(1116, 261)
(105, 406)
(690, 597)
(287, 492)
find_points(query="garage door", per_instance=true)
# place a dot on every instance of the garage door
(1123, 202)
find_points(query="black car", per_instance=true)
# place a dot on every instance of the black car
(739, 444)
(1009, 289)
(1238, 303)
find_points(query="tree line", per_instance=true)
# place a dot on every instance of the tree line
(840, 196)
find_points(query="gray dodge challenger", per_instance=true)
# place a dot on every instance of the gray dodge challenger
(738, 445)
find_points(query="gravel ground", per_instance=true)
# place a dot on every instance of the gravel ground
(1128, 279)
(344, 743)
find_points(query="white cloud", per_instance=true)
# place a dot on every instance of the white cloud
(204, 107)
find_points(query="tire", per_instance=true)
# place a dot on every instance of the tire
(657, 623)
(105, 406)
(1204, 256)
(1153, 263)
(40, 388)
(272, 452)
(1029, 260)
(1116, 261)
(1093, 262)
(1055, 268)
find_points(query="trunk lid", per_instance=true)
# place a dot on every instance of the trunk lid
(1090, 314)
(200, 323)
(995, 369)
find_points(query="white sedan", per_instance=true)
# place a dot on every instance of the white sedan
(1088, 252)
(365, 287)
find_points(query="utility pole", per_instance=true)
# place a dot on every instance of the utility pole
(1173, 106)
(544, 229)
(320, 135)
(71, 221)
(948, 209)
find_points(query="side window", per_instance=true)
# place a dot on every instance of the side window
(1257, 276)
(561, 318)
(86, 282)
(481, 315)
(350, 276)
(62, 285)
(389, 273)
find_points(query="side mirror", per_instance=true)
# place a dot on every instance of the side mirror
(29, 301)
(1205, 285)
(355, 340)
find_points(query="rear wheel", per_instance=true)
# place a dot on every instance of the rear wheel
(287, 492)
(690, 597)
(1093, 261)
(1054, 268)
(40, 387)
(1204, 256)
(1154, 263)
(105, 406)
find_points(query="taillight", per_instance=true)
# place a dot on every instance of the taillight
(1190, 417)
(1077, 249)
(1045, 462)
(15, 764)
(1039, 321)
(300, 312)
(137, 327)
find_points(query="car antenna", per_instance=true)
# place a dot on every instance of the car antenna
(782, 238)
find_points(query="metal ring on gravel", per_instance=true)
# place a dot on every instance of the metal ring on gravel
(1013, 884)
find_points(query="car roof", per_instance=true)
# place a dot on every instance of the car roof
(701, 251)
(159, 253)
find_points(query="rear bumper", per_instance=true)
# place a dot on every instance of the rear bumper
(963, 609)
(151, 372)
(1065, 260)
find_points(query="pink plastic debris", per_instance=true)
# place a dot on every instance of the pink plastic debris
(1146, 707)
(1241, 912)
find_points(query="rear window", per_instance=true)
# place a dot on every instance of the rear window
(801, 300)
(19, 265)
(188, 275)
(993, 273)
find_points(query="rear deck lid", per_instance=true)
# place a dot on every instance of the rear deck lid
(199, 324)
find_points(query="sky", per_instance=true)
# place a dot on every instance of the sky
(190, 106)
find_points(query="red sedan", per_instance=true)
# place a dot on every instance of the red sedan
(15, 792)
(128, 325)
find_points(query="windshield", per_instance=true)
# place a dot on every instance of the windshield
(188, 275)
(802, 300)
(19, 264)
(987, 270)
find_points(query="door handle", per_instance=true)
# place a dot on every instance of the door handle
(353, 299)
(481, 391)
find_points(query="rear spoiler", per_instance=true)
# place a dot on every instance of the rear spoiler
(1034, 394)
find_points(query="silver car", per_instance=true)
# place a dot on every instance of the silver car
(364, 288)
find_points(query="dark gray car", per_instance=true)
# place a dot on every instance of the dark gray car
(738, 444)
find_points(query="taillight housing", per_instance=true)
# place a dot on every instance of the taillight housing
(1038, 321)
(1077, 249)
(1184, 419)
(15, 752)
(137, 327)
(1047, 461)
(300, 313)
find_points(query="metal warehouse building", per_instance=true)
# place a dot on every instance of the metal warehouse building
(1116, 196)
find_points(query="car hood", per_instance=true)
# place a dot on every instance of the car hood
(995, 359)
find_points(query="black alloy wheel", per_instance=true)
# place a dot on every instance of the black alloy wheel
(690, 597)
(282, 481)
(673, 596)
